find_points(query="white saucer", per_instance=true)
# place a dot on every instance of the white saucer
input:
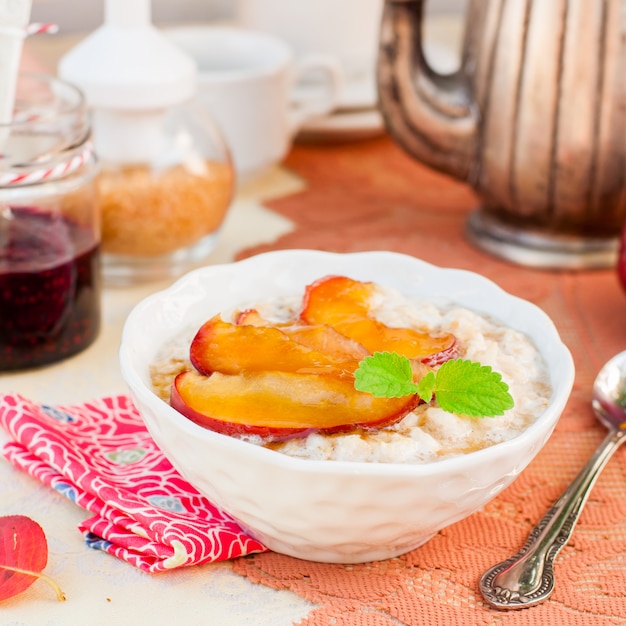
(345, 125)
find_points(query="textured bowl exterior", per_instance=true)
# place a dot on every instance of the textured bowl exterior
(333, 511)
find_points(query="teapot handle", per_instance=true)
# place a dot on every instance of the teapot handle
(432, 116)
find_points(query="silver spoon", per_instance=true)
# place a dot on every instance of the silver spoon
(527, 578)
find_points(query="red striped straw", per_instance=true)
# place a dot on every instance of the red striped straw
(51, 173)
(41, 27)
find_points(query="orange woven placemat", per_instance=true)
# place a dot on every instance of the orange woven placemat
(371, 196)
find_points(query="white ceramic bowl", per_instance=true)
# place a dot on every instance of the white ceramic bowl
(333, 511)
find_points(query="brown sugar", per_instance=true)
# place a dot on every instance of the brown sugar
(147, 213)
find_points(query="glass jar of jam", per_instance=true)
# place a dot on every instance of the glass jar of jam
(49, 227)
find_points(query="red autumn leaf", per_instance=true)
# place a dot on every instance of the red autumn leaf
(23, 556)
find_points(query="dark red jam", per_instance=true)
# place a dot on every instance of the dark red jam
(49, 288)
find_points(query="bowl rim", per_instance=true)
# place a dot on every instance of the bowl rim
(546, 421)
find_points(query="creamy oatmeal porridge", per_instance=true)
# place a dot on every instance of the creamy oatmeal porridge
(428, 433)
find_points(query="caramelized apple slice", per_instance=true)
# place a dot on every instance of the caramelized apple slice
(220, 346)
(343, 303)
(282, 405)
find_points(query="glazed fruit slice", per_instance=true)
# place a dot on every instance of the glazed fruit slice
(220, 346)
(328, 340)
(251, 317)
(282, 405)
(344, 304)
(321, 337)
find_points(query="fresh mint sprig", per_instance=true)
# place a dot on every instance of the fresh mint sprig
(461, 386)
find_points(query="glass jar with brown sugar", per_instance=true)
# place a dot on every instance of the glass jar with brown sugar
(163, 214)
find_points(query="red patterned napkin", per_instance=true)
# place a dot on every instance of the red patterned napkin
(100, 455)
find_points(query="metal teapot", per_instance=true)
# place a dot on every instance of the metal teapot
(534, 120)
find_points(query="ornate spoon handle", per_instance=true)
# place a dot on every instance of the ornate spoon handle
(527, 578)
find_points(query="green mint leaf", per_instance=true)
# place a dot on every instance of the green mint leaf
(385, 375)
(461, 386)
(426, 387)
(469, 388)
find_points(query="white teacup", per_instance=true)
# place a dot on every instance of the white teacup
(246, 80)
(347, 30)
